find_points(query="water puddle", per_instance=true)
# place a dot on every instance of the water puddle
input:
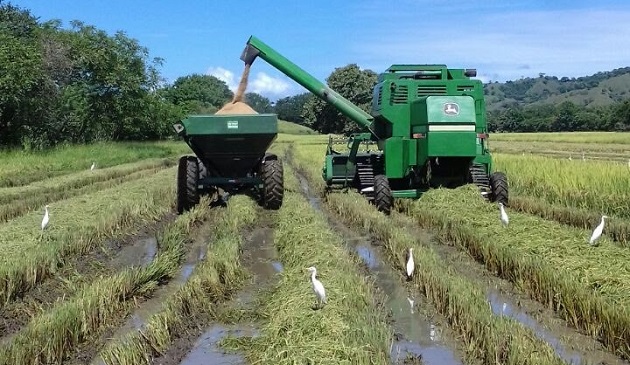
(416, 337)
(502, 305)
(259, 256)
(148, 308)
(206, 351)
(140, 252)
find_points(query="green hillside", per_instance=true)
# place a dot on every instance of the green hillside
(293, 128)
(600, 89)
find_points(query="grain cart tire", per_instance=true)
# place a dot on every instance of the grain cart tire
(203, 171)
(383, 198)
(187, 177)
(499, 186)
(273, 183)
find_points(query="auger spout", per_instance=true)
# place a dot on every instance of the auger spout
(256, 48)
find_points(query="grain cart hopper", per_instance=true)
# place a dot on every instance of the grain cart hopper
(429, 125)
(230, 157)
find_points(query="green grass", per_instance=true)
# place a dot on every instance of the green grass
(77, 224)
(574, 137)
(588, 286)
(293, 128)
(351, 328)
(491, 339)
(21, 168)
(212, 282)
(51, 336)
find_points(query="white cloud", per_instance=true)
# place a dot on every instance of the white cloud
(263, 84)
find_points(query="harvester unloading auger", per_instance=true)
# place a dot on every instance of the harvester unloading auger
(428, 122)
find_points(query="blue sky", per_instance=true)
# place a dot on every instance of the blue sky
(502, 39)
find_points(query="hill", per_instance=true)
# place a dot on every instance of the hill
(293, 128)
(600, 89)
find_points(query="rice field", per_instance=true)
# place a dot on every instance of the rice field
(117, 277)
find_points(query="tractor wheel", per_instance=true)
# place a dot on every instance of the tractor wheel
(203, 171)
(187, 177)
(499, 186)
(383, 198)
(273, 184)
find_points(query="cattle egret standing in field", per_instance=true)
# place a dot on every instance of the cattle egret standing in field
(598, 231)
(46, 218)
(93, 166)
(504, 217)
(410, 263)
(318, 288)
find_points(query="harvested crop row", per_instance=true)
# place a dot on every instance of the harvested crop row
(554, 263)
(349, 328)
(212, 281)
(19, 200)
(617, 229)
(601, 187)
(21, 168)
(50, 337)
(487, 337)
(27, 255)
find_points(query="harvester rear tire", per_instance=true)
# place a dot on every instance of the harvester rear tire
(383, 198)
(187, 177)
(499, 186)
(273, 184)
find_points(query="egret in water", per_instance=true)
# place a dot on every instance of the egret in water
(504, 217)
(598, 231)
(93, 166)
(318, 288)
(45, 219)
(410, 263)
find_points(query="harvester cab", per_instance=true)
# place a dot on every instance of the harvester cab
(428, 122)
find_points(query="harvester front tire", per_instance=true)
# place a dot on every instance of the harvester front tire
(499, 186)
(273, 184)
(187, 177)
(383, 198)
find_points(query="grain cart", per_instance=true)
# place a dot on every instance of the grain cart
(429, 125)
(230, 158)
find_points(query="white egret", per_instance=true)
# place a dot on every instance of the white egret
(410, 263)
(504, 217)
(318, 288)
(598, 230)
(93, 166)
(45, 219)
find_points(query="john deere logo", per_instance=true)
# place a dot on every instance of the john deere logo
(451, 109)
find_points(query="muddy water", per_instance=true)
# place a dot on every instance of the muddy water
(143, 313)
(260, 258)
(416, 336)
(140, 252)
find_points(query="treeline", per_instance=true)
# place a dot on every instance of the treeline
(565, 117)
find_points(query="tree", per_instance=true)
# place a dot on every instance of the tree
(353, 84)
(291, 108)
(196, 93)
(258, 102)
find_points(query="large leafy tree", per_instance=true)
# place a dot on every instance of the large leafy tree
(291, 107)
(258, 102)
(199, 93)
(353, 84)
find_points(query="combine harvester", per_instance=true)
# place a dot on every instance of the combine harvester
(429, 125)
(231, 157)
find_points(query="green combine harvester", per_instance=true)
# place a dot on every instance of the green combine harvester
(231, 157)
(427, 121)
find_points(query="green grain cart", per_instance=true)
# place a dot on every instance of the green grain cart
(230, 158)
(429, 125)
